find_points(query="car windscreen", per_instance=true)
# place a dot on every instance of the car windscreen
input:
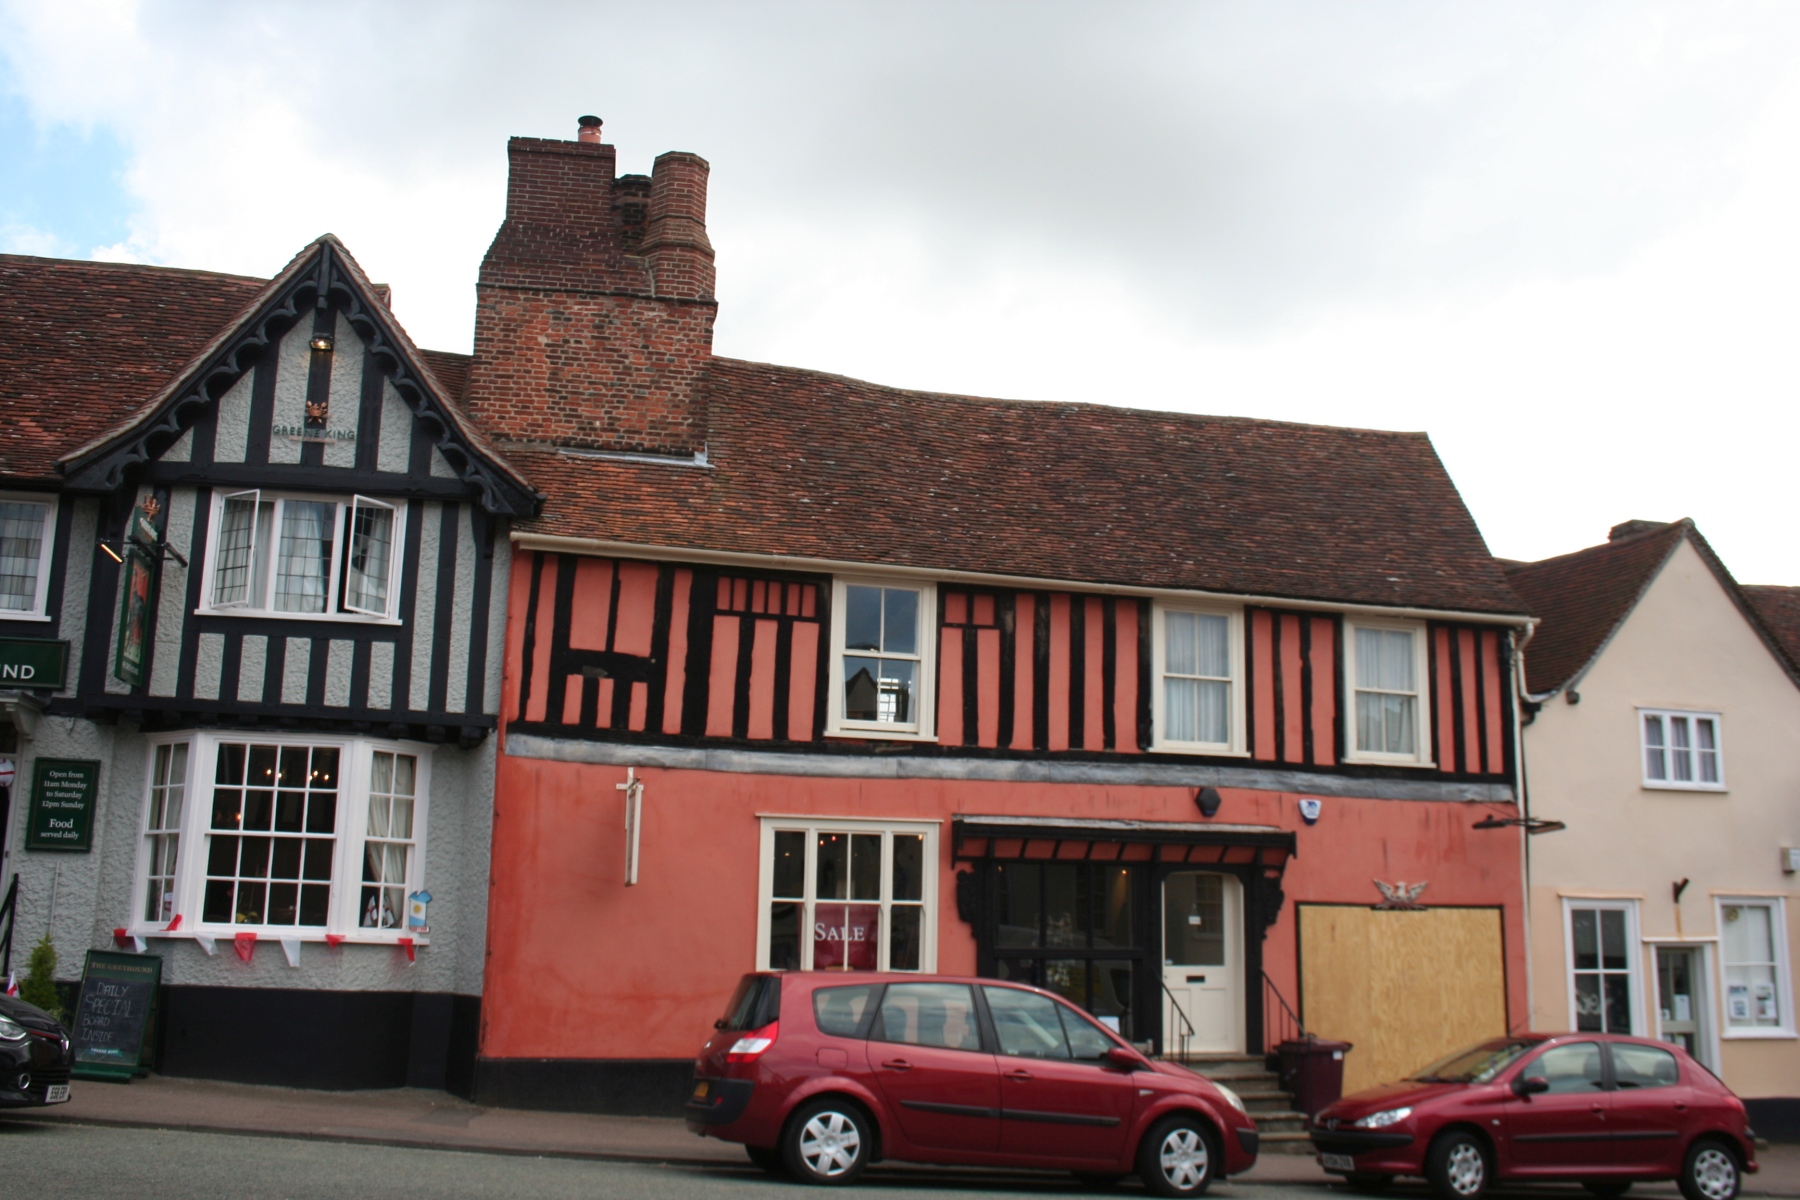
(755, 1003)
(1477, 1064)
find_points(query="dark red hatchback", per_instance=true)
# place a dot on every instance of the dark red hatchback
(1597, 1109)
(820, 1074)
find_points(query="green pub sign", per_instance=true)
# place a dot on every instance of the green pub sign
(33, 663)
(63, 791)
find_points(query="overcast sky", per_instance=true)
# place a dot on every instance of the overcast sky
(1562, 238)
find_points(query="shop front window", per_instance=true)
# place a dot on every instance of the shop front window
(847, 896)
(1068, 928)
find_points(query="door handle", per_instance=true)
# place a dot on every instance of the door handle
(1597, 1110)
(1019, 1076)
(897, 1064)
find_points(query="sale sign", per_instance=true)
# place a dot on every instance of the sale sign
(845, 936)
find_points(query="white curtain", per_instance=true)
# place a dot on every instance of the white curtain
(1197, 683)
(371, 549)
(21, 543)
(231, 575)
(303, 571)
(1386, 722)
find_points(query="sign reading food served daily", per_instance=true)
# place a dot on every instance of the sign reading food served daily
(61, 816)
(117, 992)
(33, 663)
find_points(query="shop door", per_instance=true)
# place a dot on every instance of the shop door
(1678, 1000)
(1203, 963)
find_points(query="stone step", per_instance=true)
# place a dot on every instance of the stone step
(1280, 1122)
(1287, 1143)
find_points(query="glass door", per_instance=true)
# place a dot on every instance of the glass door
(1203, 964)
(1679, 999)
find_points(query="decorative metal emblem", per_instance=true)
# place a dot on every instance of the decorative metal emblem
(317, 411)
(150, 507)
(1400, 895)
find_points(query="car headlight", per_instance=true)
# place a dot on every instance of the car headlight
(1382, 1120)
(10, 1030)
(1233, 1098)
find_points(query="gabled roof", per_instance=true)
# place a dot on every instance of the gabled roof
(802, 463)
(323, 272)
(1583, 598)
(1779, 608)
(82, 344)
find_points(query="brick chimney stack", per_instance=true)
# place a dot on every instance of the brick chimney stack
(594, 307)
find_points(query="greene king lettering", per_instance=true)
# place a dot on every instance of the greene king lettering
(301, 431)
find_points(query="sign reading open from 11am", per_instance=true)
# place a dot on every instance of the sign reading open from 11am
(63, 791)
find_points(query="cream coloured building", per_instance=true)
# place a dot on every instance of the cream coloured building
(1667, 737)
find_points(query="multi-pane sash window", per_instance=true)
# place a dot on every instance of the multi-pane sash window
(1600, 958)
(387, 853)
(305, 556)
(880, 660)
(847, 896)
(168, 793)
(291, 838)
(1756, 987)
(1197, 700)
(1681, 749)
(24, 555)
(1387, 691)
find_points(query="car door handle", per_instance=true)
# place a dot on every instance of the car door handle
(1597, 1110)
(1019, 1076)
(897, 1064)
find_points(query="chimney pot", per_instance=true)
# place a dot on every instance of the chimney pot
(590, 129)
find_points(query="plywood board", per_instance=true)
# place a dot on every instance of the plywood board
(1405, 987)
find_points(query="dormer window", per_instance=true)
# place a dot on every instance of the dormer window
(300, 556)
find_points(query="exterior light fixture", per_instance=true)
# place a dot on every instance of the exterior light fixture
(1209, 800)
(1528, 824)
(111, 553)
(321, 343)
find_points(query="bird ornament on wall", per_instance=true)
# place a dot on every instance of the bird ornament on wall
(1400, 895)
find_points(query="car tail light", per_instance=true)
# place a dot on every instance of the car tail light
(753, 1045)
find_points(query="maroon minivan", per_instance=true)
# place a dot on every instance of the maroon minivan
(1599, 1109)
(819, 1074)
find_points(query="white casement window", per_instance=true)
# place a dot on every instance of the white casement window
(303, 556)
(847, 895)
(26, 532)
(882, 638)
(1759, 992)
(1385, 670)
(283, 837)
(1199, 667)
(1602, 941)
(1682, 750)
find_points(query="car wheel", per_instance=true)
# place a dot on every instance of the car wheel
(1457, 1166)
(1364, 1181)
(1709, 1172)
(1097, 1183)
(826, 1141)
(1178, 1158)
(768, 1158)
(1607, 1187)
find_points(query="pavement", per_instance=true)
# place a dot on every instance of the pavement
(432, 1120)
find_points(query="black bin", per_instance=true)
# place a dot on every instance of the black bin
(1312, 1071)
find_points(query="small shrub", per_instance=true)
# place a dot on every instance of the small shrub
(39, 986)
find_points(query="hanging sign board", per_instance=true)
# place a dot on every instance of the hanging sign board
(33, 663)
(133, 650)
(112, 1017)
(63, 792)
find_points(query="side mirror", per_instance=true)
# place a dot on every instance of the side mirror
(719, 1024)
(1523, 1086)
(1119, 1058)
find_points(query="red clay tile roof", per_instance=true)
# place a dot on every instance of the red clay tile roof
(451, 369)
(1779, 608)
(819, 466)
(83, 343)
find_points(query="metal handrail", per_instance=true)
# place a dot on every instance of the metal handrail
(9, 915)
(1280, 1019)
(1186, 1025)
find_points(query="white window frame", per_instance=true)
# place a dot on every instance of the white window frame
(1159, 649)
(1679, 785)
(811, 827)
(336, 608)
(39, 611)
(1784, 978)
(1421, 679)
(352, 822)
(925, 728)
(1634, 957)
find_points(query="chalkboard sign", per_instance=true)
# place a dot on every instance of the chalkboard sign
(117, 994)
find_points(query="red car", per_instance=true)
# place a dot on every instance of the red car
(1597, 1109)
(819, 1074)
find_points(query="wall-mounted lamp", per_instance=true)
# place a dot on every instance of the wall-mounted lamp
(1209, 800)
(1528, 824)
(321, 343)
(111, 553)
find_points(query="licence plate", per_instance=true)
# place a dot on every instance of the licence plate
(1337, 1162)
(700, 1090)
(58, 1094)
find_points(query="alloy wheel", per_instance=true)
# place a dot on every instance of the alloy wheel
(1466, 1169)
(830, 1144)
(1714, 1174)
(1184, 1159)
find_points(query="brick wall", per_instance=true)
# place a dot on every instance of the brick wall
(594, 308)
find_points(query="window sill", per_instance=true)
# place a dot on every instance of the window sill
(1758, 1035)
(878, 734)
(1715, 789)
(266, 615)
(1387, 760)
(1198, 748)
(24, 616)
